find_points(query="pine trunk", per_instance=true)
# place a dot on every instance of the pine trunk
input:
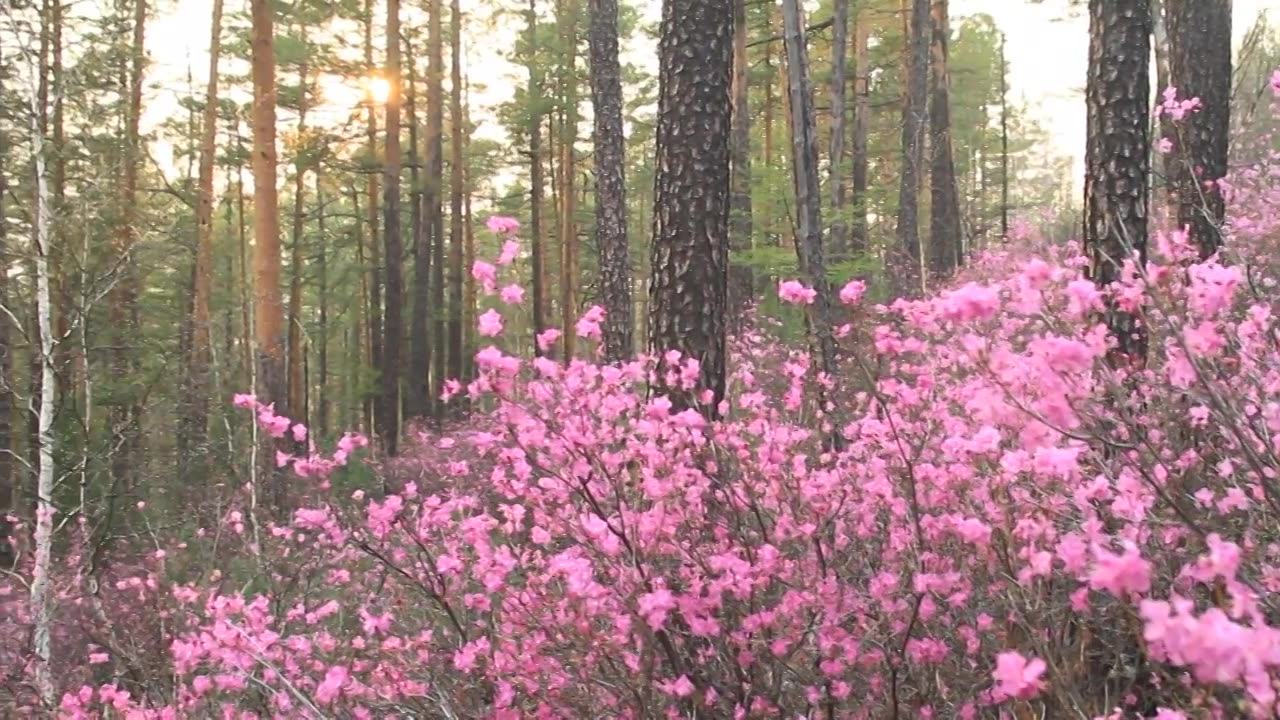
(741, 280)
(268, 304)
(1116, 161)
(456, 250)
(536, 179)
(689, 260)
(374, 327)
(389, 417)
(7, 552)
(839, 113)
(197, 386)
(944, 202)
(435, 198)
(861, 130)
(904, 259)
(296, 350)
(611, 203)
(417, 403)
(322, 291)
(1200, 66)
(568, 82)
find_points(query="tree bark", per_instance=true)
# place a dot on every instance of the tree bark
(536, 180)
(296, 350)
(1116, 162)
(839, 112)
(435, 198)
(944, 216)
(904, 260)
(7, 552)
(741, 280)
(861, 129)
(418, 393)
(322, 263)
(567, 18)
(197, 386)
(1200, 66)
(804, 172)
(375, 260)
(389, 418)
(268, 304)
(611, 204)
(456, 250)
(689, 288)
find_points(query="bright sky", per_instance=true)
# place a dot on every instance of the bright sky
(1047, 53)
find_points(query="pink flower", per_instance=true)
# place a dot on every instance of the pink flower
(513, 294)
(1275, 82)
(510, 251)
(794, 292)
(490, 324)
(1120, 575)
(485, 274)
(1016, 677)
(1164, 145)
(589, 323)
(852, 293)
(244, 400)
(547, 339)
(299, 432)
(502, 224)
(971, 302)
(334, 679)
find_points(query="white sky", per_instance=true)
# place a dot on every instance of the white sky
(1046, 49)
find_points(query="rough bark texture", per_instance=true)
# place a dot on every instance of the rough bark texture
(268, 303)
(389, 417)
(611, 205)
(741, 280)
(197, 386)
(904, 259)
(689, 287)
(456, 254)
(567, 17)
(861, 129)
(804, 171)
(417, 392)
(296, 349)
(945, 251)
(322, 290)
(374, 288)
(1200, 66)
(1116, 160)
(6, 378)
(839, 112)
(435, 198)
(536, 180)
(1160, 43)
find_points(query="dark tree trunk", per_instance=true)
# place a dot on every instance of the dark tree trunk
(6, 378)
(456, 254)
(296, 347)
(1116, 160)
(375, 260)
(741, 280)
(1200, 66)
(944, 217)
(804, 171)
(536, 179)
(904, 260)
(322, 291)
(418, 394)
(1004, 144)
(689, 287)
(611, 203)
(839, 112)
(389, 416)
(861, 129)
(435, 198)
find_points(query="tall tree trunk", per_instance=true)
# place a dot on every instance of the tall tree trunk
(456, 253)
(7, 553)
(296, 349)
(126, 414)
(435, 198)
(268, 304)
(861, 128)
(417, 394)
(610, 160)
(322, 270)
(60, 248)
(944, 215)
(567, 18)
(469, 249)
(246, 282)
(904, 259)
(1004, 144)
(41, 588)
(374, 326)
(536, 180)
(839, 112)
(1160, 43)
(1200, 66)
(364, 349)
(197, 386)
(804, 172)
(389, 418)
(1116, 161)
(688, 291)
(741, 280)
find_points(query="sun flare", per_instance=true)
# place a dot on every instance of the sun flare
(379, 89)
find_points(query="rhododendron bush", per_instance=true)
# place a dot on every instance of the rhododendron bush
(1010, 528)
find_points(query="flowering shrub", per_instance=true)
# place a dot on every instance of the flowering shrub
(1010, 528)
